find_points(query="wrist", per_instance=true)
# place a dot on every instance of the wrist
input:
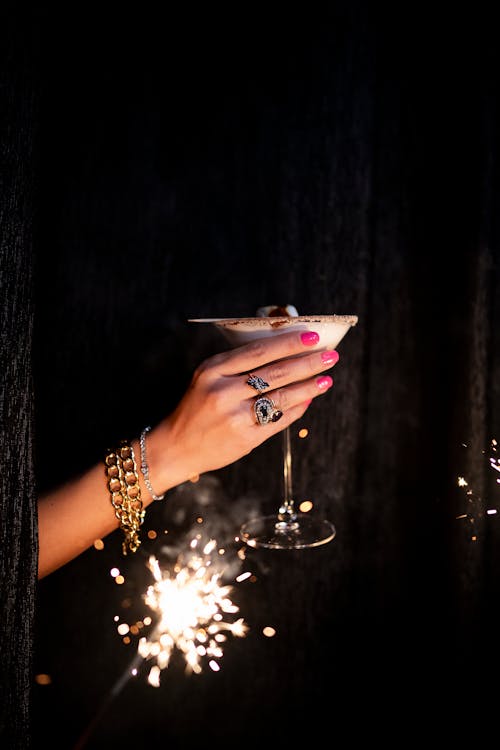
(165, 466)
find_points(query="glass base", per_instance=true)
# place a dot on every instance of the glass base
(270, 532)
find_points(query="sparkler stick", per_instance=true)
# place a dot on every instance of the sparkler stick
(113, 693)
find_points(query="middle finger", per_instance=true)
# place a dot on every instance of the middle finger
(287, 371)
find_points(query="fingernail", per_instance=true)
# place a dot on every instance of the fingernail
(329, 358)
(309, 338)
(324, 382)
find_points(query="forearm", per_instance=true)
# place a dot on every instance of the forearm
(73, 516)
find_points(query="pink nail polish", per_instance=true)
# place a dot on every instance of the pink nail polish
(329, 358)
(309, 338)
(324, 382)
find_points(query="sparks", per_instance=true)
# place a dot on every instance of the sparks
(193, 609)
(477, 503)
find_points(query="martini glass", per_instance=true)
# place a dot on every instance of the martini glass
(287, 528)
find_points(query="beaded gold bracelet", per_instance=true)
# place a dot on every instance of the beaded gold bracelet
(125, 492)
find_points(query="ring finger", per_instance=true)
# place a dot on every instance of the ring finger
(270, 406)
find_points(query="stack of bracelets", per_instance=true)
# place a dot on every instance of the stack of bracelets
(125, 490)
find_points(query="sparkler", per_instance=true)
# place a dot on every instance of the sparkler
(476, 502)
(194, 612)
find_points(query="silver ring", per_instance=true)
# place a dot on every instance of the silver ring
(266, 411)
(258, 383)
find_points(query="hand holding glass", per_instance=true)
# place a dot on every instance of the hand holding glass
(286, 529)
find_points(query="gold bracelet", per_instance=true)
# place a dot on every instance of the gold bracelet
(125, 491)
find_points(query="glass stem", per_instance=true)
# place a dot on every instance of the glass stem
(287, 512)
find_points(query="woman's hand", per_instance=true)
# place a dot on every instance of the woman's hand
(215, 423)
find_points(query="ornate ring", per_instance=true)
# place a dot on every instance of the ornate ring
(258, 383)
(266, 411)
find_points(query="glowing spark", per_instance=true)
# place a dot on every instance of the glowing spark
(192, 607)
(154, 677)
(43, 679)
(462, 482)
(243, 576)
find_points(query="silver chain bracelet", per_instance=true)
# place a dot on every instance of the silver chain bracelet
(144, 465)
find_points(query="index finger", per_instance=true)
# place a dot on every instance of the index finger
(267, 348)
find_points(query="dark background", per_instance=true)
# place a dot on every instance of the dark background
(343, 161)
